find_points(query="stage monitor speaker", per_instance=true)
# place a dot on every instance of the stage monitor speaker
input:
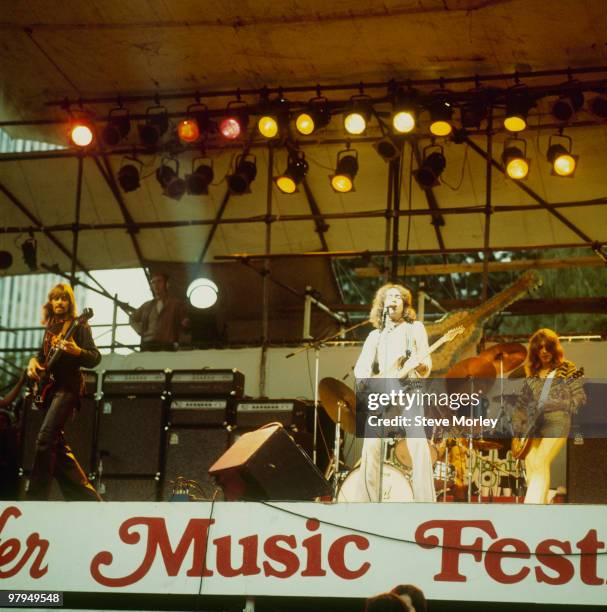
(128, 489)
(267, 464)
(79, 433)
(130, 435)
(189, 454)
(587, 471)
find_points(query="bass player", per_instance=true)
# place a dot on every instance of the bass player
(64, 387)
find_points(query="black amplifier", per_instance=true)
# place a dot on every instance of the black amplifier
(134, 382)
(90, 382)
(207, 382)
(207, 411)
(258, 412)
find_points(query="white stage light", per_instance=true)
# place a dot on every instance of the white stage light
(202, 293)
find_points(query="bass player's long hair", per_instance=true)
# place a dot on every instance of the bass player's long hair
(60, 290)
(377, 307)
(550, 340)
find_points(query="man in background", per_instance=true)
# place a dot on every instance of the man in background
(161, 322)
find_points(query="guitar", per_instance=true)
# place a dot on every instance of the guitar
(520, 446)
(40, 389)
(403, 366)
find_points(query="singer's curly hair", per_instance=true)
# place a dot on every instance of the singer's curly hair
(60, 290)
(550, 340)
(379, 299)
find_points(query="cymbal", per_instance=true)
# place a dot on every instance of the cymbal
(511, 354)
(481, 371)
(481, 444)
(334, 394)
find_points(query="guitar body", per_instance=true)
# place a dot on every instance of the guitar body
(520, 447)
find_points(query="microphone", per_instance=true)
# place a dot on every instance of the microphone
(384, 314)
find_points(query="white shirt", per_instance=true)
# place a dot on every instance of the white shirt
(390, 345)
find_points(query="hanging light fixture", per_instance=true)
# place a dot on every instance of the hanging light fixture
(172, 186)
(358, 115)
(514, 159)
(568, 104)
(316, 116)
(518, 105)
(563, 162)
(129, 173)
(197, 183)
(245, 171)
(235, 123)
(474, 110)
(433, 164)
(297, 168)
(202, 293)
(598, 107)
(404, 110)
(345, 171)
(118, 126)
(155, 125)
(440, 108)
(196, 123)
(274, 117)
(81, 132)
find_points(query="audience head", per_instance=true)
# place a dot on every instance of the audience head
(412, 597)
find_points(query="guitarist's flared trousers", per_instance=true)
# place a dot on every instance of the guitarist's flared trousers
(55, 459)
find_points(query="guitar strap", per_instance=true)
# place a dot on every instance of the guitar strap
(546, 389)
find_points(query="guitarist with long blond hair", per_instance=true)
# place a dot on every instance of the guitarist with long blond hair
(397, 334)
(552, 392)
(62, 389)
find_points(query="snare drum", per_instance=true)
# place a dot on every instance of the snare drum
(395, 485)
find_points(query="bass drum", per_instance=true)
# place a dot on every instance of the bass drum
(396, 486)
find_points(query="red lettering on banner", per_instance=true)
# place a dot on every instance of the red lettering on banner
(249, 565)
(313, 545)
(281, 555)
(337, 557)
(495, 554)
(196, 534)
(9, 549)
(560, 564)
(452, 546)
(589, 547)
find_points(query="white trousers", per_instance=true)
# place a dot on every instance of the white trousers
(370, 462)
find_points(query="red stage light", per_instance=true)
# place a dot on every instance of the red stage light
(188, 130)
(230, 128)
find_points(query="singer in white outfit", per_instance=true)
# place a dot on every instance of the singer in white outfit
(396, 332)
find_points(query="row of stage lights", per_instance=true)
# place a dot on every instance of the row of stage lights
(273, 120)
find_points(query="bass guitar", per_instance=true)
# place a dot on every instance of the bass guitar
(41, 389)
(520, 446)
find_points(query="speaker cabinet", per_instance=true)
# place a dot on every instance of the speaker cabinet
(128, 489)
(268, 464)
(130, 435)
(190, 452)
(587, 471)
(79, 433)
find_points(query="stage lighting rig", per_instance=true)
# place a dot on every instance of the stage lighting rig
(155, 125)
(568, 104)
(118, 126)
(433, 164)
(297, 168)
(81, 133)
(598, 107)
(274, 117)
(345, 172)
(518, 104)
(172, 186)
(235, 123)
(560, 157)
(128, 175)
(514, 159)
(316, 116)
(440, 108)
(404, 111)
(198, 182)
(358, 115)
(29, 249)
(245, 171)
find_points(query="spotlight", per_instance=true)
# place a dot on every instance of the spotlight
(274, 117)
(387, 148)
(6, 260)
(197, 122)
(118, 126)
(198, 182)
(202, 293)
(441, 113)
(404, 111)
(172, 186)
(316, 116)
(518, 105)
(356, 119)
(29, 249)
(345, 172)
(563, 162)
(156, 124)
(598, 107)
(244, 174)
(514, 159)
(297, 168)
(188, 130)
(233, 126)
(128, 175)
(474, 110)
(268, 126)
(81, 133)
(432, 167)
(567, 105)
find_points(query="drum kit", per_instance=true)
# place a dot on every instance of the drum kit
(457, 462)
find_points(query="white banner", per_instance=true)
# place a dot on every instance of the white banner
(478, 552)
